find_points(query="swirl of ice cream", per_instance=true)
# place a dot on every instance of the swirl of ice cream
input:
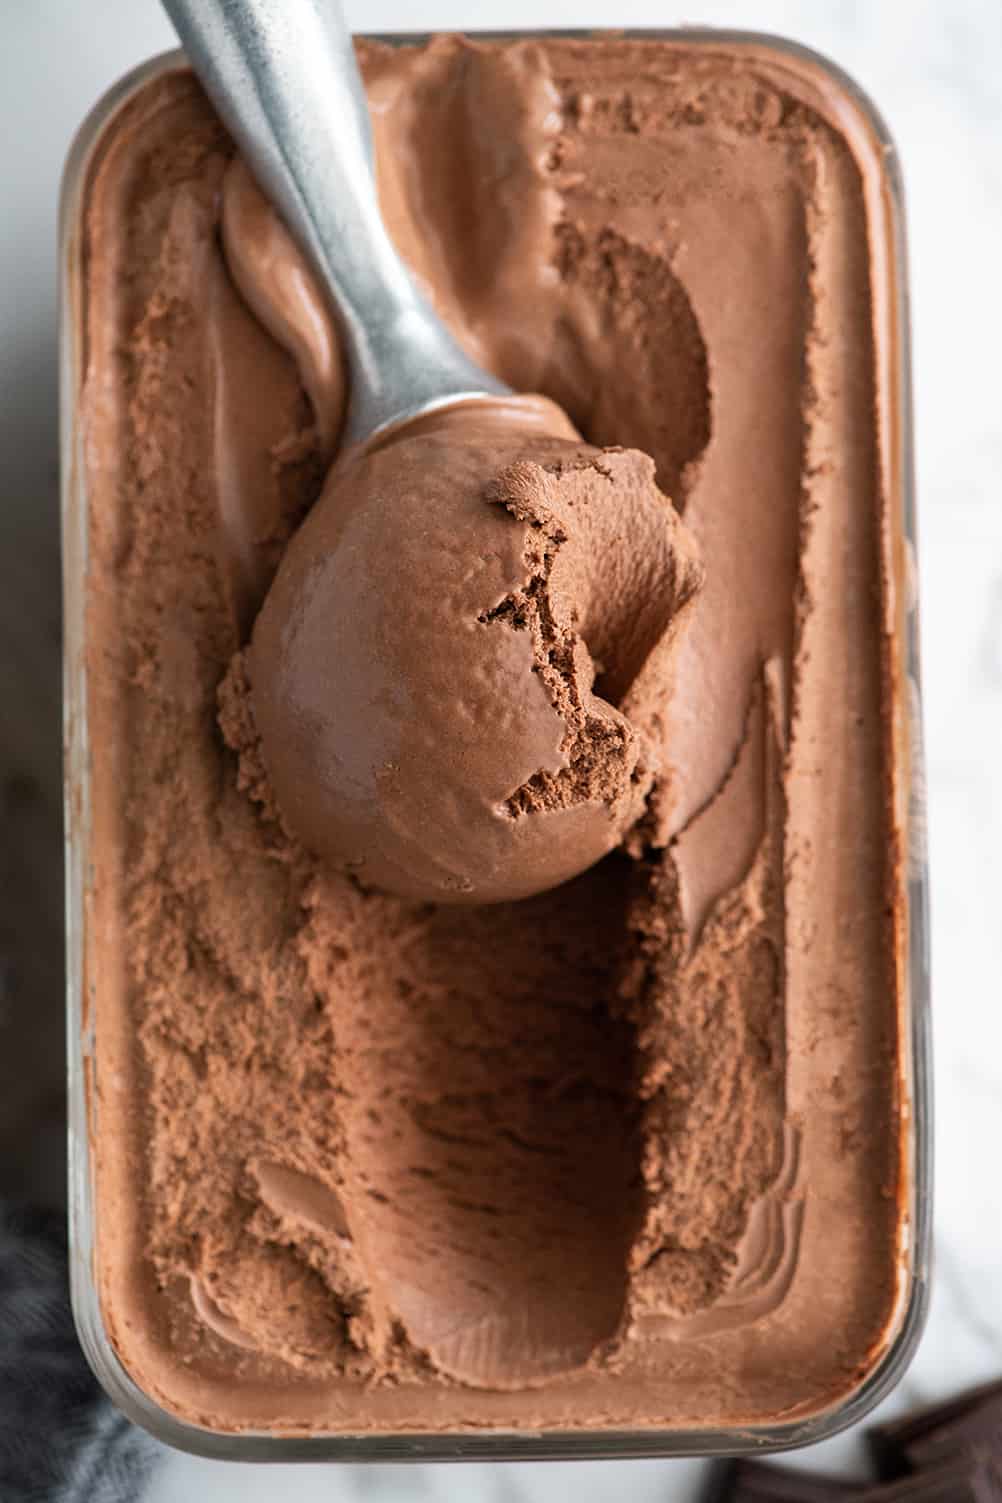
(444, 672)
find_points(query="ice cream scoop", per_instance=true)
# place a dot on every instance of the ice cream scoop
(282, 75)
(441, 672)
(447, 674)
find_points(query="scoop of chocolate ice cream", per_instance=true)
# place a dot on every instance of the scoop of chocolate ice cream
(446, 674)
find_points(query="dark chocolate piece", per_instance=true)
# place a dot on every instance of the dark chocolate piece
(761, 1482)
(972, 1420)
(964, 1479)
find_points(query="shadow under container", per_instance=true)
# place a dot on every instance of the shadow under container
(97, 1110)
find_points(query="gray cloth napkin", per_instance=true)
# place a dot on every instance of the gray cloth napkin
(61, 1439)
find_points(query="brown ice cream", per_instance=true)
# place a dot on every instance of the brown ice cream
(627, 1153)
(423, 667)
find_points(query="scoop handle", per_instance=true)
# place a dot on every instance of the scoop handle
(283, 76)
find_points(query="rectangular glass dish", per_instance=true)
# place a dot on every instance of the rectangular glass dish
(107, 1103)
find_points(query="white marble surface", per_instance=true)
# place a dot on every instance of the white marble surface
(934, 67)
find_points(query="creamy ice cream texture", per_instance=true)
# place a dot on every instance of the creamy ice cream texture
(424, 667)
(624, 1153)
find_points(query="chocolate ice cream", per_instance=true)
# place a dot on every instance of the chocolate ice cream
(628, 1153)
(423, 668)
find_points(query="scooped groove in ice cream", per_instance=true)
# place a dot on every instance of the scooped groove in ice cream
(444, 673)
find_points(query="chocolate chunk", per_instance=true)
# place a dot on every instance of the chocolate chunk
(965, 1479)
(760, 1482)
(938, 1432)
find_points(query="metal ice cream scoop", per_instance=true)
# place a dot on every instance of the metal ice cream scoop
(282, 75)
